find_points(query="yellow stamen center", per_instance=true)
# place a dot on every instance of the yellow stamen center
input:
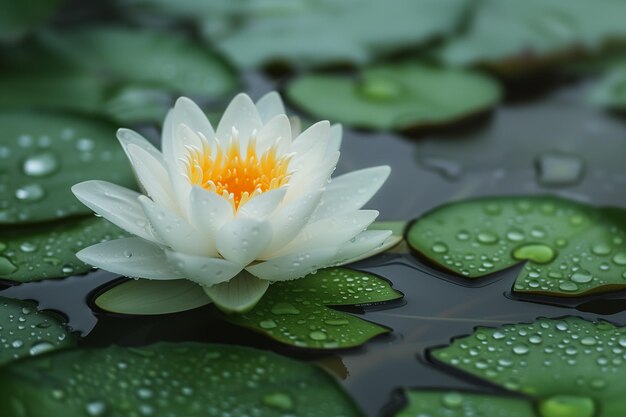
(235, 176)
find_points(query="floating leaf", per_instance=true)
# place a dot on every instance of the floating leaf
(307, 33)
(570, 249)
(515, 36)
(24, 331)
(152, 297)
(433, 403)
(17, 18)
(296, 313)
(169, 379)
(48, 250)
(398, 96)
(129, 75)
(43, 155)
(572, 367)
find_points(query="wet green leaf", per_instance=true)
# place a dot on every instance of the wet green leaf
(43, 155)
(19, 17)
(306, 33)
(399, 96)
(168, 379)
(514, 35)
(129, 75)
(25, 331)
(297, 313)
(152, 297)
(570, 366)
(47, 250)
(570, 249)
(435, 403)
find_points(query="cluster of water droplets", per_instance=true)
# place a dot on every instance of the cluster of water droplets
(295, 312)
(24, 331)
(181, 379)
(565, 360)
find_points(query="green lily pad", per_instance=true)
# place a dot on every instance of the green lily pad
(515, 36)
(570, 366)
(152, 297)
(129, 75)
(169, 379)
(434, 403)
(569, 249)
(399, 96)
(18, 18)
(308, 33)
(49, 250)
(25, 331)
(43, 155)
(297, 313)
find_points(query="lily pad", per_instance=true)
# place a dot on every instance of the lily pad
(129, 75)
(25, 331)
(48, 250)
(43, 155)
(168, 379)
(152, 297)
(297, 313)
(308, 33)
(18, 18)
(535, 33)
(398, 96)
(569, 249)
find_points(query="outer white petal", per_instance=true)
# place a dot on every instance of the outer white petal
(117, 204)
(153, 177)
(302, 182)
(180, 184)
(203, 270)
(262, 205)
(277, 129)
(241, 114)
(243, 239)
(240, 294)
(331, 231)
(307, 139)
(188, 113)
(168, 145)
(351, 191)
(174, 230)
(336, 135)
(208, 212)
(127, 137)
(288, 221)
(364, 245)
(269, 106)
(133, 257)
(294, 265)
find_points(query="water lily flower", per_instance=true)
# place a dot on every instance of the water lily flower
(236, 208)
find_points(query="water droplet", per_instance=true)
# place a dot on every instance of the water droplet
(28, 247)
(30, 193)
(520, 349)
(487, 237)
(581, 276)
(452, 400)
(568, 286)
(40, 164)
(620, 258)
(67, 269)
(96, 408)
(567, 406)
(515, 235)
(440, 247)
(535, 252)
(336, 322)
(284, 308)
(40, 347)
(601, 249)
(279, 400)
(318, 335)
(268, 324)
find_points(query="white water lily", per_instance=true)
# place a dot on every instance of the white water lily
(236, 208)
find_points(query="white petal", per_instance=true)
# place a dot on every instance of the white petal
(364, 245)
(203, 270)
(117, 204)
(303, 182)
(296, 126)
(152, 176)
(240, 294)
(174, 230)
(351, 191)
(208, 212)
(336, 135)
(270, 106)
(313, 135)
(276, 129)
(331, 231)
(127, 137)
(168, 144)
(180, 184)
(387, 244)
(243, 239)
(288, 221)
(294, 265)
(241, 114)
(133, 257)
(262, 205)
(188, 113)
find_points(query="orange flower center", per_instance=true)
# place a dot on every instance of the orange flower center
(235, 176)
